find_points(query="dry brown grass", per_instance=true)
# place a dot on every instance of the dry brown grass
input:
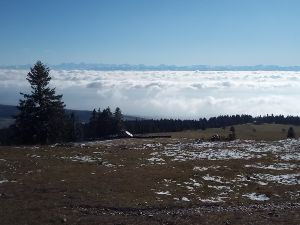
(267, 132)
(46, 187)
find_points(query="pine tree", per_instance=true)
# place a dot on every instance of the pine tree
(93, 124)
(70, 129)
(118, 117)
(107, 121)
(41, 113)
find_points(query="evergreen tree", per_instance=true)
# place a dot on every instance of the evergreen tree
(93, 124)
(118, 117)
(41, 113)
(107, 122)
(71, 133)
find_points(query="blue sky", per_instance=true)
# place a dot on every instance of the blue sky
(212, 32)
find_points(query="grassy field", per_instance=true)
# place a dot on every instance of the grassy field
(267, 132)
(152, 181)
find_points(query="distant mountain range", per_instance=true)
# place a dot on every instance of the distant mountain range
(162, 67)
(8, 111)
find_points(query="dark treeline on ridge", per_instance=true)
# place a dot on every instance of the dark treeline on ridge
(172, 125)
(42, 119)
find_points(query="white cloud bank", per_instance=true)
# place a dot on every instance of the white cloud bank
(176, 94)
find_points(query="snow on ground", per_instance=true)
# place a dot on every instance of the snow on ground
(230, 150)
(285, 179)
(286, 150)
(282, 156)
(276, 166)
(257, 197)
(163, 193)
(271, 164)
(185, 199)
(212, 200)
(201, 169)
(86, 158)
(217, 179)
(3, 181)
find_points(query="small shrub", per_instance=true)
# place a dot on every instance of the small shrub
(232, 135)
(291, 133)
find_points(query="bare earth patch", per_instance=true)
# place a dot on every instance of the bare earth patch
(152, 181)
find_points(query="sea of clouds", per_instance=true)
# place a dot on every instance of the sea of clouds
(168, 94)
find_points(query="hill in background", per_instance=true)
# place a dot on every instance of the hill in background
(8, 111)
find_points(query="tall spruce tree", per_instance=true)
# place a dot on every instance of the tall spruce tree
(41, 115)
(119, 125)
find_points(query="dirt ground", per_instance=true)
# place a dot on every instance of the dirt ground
(151, 181)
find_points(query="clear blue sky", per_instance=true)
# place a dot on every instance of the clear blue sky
(183, 32)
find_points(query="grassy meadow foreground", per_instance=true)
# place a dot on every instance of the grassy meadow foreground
(178, 180)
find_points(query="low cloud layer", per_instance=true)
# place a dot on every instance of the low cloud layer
(168, 94)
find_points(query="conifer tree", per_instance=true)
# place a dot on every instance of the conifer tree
(118, 117)
(41, 113)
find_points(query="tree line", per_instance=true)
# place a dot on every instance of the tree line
(172, 125)
(42, 118)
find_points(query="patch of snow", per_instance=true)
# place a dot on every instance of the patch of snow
(108, 164)
(87, 159)
(286, 179)
(197, 168)
(213, 178)
(185, 199)
(201, 169)
(276, 166)
(152, 145)
(163, 193)
(190, 188)
(3, 181)
(257, 197)
(155, 160)
(212, 200)
(290, 156)
(227, 188)
(262, 183)
(194, 183)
